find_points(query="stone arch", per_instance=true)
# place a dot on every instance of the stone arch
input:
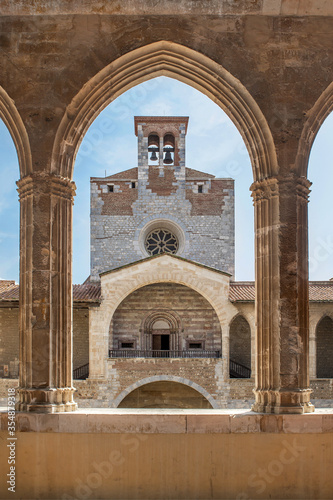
(215, 291)
(316, 117)
(165, 58)
(239, 343)
(168, 378)
(13, 121)
(324, 347)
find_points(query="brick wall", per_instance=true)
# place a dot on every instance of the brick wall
(9, 339)
(80, 337)
(325, 348)
(198, 320)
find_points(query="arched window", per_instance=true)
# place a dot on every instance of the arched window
(324, 335)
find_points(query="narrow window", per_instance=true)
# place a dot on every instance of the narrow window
(127, 345)
(110, 188)
(133, 185)
(195, 345)
(200, 188)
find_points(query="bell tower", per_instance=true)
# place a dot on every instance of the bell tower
(161, 140)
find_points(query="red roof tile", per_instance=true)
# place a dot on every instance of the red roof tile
(240, 291)
(81, 293)
(244, 291)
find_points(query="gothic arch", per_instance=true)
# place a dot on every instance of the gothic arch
(165, 58)
(167, 378)
(316, 117)
(13, 121)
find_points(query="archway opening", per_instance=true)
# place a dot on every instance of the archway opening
(165, 394)
(321, 176)
(213, 144)
(324, 336)
(165, 320)
(240, 348)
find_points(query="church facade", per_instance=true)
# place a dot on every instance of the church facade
(160, 322)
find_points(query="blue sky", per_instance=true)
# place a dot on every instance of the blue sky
(213, 145)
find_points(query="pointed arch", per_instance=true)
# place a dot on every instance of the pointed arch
(170, 59)
(13, 121)
(316, 117)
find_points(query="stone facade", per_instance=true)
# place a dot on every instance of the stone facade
(195, 205)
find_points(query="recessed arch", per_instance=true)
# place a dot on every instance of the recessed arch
(167, 378)
(170, 59)
(316, 117)
(13, 121)
(324, 351)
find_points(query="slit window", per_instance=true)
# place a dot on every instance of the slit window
(127, 345)
(195, 345)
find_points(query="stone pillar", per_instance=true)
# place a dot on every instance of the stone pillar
(46, 294)
(282, 305)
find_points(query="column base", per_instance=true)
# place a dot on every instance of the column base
(46, 400)
(283, 401)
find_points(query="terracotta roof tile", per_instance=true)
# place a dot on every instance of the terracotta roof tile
(244, 291)
(240, 291)
(81, 293)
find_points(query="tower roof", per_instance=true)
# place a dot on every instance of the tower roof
(159, 120)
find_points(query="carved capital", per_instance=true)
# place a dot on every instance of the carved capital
(46, 183)
(264, 189)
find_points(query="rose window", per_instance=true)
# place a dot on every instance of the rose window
(161, 241)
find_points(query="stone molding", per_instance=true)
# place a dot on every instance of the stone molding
(13, 121)
(165, 58)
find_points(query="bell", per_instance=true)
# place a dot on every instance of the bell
(168, 158)
(153, 155)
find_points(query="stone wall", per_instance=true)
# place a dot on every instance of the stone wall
(80, 337)
(118, 217)
(9, 338)
(9, 341)
(196, 318)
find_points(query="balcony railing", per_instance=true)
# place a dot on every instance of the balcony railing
(141, 353)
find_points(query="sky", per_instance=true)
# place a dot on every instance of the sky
(213, 145)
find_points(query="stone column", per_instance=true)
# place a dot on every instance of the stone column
(46, 294)
(282, 308)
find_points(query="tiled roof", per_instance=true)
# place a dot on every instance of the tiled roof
(243, 291)
(87, 292)
(240, 291)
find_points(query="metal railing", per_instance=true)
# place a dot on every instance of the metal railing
(142, 353)
(237, 370)
(81, 373)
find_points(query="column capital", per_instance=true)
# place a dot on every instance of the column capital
(45, 182)
(265, 189)
(271, 187)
